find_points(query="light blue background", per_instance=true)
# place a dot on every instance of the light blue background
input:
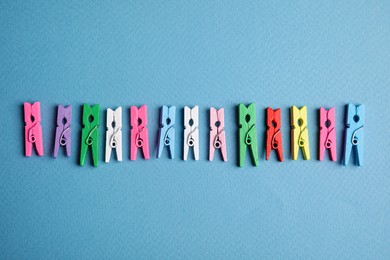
(206, 53)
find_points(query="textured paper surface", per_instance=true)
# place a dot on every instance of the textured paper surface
(206, 53)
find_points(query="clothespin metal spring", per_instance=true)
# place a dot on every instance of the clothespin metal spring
(248, 138)
(31, 136)
(355, 140)
(139, 141)
(274, 143)
(63, 139)
(167, 140)
(89, 139)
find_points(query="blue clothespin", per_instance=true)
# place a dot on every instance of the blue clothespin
(354, 134)
(166, 135)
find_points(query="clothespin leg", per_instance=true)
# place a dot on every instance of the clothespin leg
(185, 146)
(185, 152)
(280, 154)
(242, 148)
(359, 150)
(68, 142)
(119, 147)
(347, 148)
(56, 144)
(211, 150)
(39, 141)
(95, 149)
(223, 148)
(294, 144)
(28, 145)
(333, 153)
(84, 148)
(306, 147)
(306, 153)
(172, 145)
(333, 150)
(268, 145)
(196, 145)
(358, 156)
(133, 147)
(145, 147)
(161, 143)
(254, 152)
(321, 147)
(108, 147)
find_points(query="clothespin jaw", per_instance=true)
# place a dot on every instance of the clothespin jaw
(90, 133)
(354, 134)
(63, 130)
(114, 133)
(33, 128)
(217, 133)
(274, 134)
(191, 131)
(327, 133)
(299, 132)
(139, 132)
(166, 135)
(247, 132)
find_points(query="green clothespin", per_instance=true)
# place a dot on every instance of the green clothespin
(90, 133)
(247, 132)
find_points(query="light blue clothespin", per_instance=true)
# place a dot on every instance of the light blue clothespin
(354, 134)
(166, 135)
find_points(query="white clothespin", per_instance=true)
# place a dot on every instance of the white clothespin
(114, 133)
(191, 131)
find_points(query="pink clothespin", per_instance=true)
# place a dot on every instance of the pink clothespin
(217, 133)
(139, 132)
(327, 133)
(33, 128)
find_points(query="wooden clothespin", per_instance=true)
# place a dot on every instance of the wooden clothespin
(166, 135)
(114, 133)
(139, 137)
(299, 132)
(90, 133)
(217, 133)
(63, 130)
(327, 133)
(274, 134)
(191, 131)
(33, 128)
(354, 134)
(247, 132)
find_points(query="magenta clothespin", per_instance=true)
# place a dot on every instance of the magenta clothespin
(139, 132)
(327, 133)
(33, 128)
(217, 133)
(63, 130)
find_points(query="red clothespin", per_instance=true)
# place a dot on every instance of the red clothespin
(139, 132)
(33, 128)
(274, 134)
(327, 133)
